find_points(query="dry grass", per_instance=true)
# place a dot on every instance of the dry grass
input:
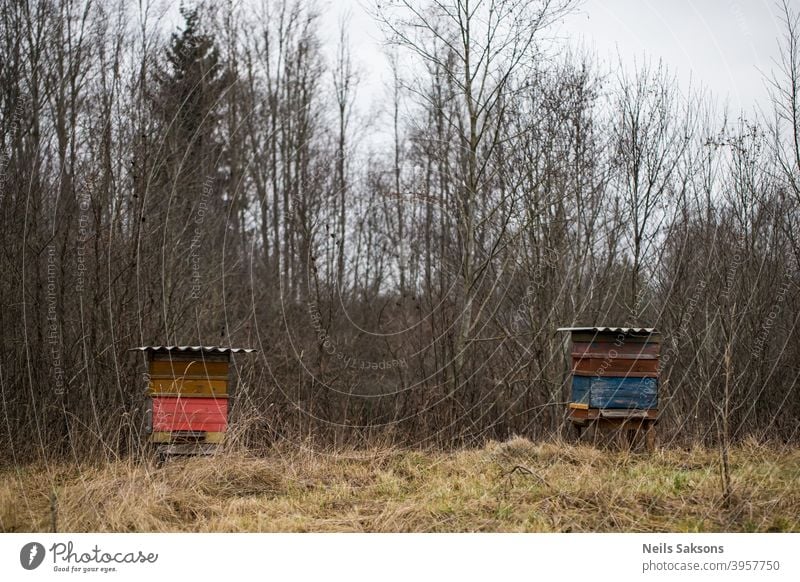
(511, 486)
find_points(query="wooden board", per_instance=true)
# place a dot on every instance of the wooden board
(618, 413)
(609, 392)
(189, 368)
(580, 391)
(167, 451)
(610, 337)
(189, 414)
(615, 392)
(180, 436)
(615, 367)
(586, 414)
(600, 349)
(187, 387)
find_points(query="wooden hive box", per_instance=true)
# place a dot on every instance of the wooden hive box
(188, 374)
(188, 393)
(613, 373)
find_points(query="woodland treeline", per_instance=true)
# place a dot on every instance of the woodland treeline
(401, 266)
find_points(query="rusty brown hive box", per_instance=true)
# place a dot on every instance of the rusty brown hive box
(614, 369)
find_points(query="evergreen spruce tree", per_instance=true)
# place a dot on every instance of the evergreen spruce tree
(187, 95)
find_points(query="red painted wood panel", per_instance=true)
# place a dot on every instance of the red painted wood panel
(627, 350)
(199, 414)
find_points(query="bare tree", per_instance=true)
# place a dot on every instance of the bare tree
(653, 134)
(489, 42)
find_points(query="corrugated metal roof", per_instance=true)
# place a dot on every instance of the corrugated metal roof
(194, 349)
(611, 329)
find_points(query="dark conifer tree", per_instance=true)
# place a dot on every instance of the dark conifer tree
(187, 207)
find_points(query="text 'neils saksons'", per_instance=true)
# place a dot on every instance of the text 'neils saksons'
(664, 548)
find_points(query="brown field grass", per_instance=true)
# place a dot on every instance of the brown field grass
(511, 486)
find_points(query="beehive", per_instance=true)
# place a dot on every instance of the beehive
(187, 388)
(614, 375)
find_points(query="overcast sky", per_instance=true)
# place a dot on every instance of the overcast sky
(725, 45)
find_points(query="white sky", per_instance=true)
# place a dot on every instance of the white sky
(724, 45)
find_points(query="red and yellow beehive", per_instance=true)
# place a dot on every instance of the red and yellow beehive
(187, 388)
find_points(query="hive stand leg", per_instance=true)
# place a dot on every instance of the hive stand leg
(161, 455)
(609, 434)
(620, 435)
(650, 436)
(606, 434)
(624, 436)
(637, 435)
(577, 431)
(595, 428)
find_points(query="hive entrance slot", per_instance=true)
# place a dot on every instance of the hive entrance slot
(188, 436)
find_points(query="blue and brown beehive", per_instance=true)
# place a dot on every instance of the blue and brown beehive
(187, 389)
(613, 377)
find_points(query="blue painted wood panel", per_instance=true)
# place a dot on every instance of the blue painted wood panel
(580, 389)
(615, 392)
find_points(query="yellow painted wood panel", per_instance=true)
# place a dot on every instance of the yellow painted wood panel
(188, 395)
(170, 378)
(188, 387)
(209, 437)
